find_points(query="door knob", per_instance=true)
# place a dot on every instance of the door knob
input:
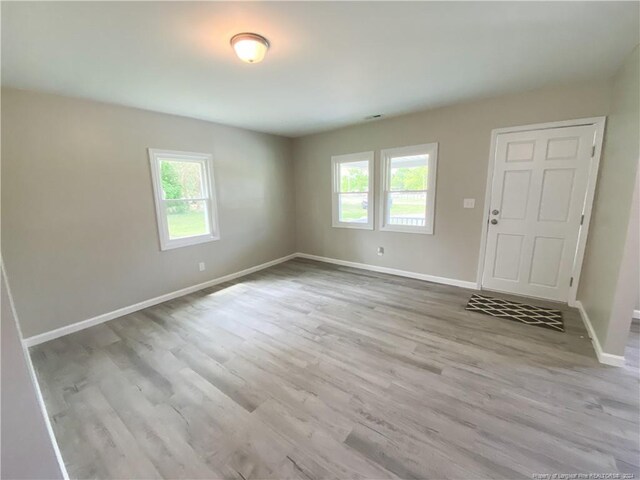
(494, 222)
(495, 212)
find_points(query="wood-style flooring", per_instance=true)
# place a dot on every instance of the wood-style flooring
(312, 371)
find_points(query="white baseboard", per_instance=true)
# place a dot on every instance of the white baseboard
(105, 317)
(392, 271)
(636, 314)
(603, 357)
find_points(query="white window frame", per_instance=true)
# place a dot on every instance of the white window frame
(386, 155)
(336, 161)
(209, 197)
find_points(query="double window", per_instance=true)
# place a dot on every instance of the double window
(185, 198)
(407, 189)
(352, 202)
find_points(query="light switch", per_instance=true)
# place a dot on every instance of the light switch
(469, 203)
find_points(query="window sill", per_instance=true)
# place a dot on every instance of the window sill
(399, 229)
(357, 226)
(187, 242)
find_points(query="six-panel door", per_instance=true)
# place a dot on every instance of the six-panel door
(537, 200)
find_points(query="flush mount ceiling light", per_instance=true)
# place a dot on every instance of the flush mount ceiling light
(250, 47)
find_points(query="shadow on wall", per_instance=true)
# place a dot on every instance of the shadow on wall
(28, 449)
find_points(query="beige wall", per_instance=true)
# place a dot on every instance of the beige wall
(611, 213)
(463, 133)
(77, 203)
(79, 235)
(26, 446)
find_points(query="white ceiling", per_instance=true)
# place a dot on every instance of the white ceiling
(330, 64)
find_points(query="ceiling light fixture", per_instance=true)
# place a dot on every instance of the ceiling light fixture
(250, 47)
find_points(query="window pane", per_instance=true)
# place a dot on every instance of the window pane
(187, 218)
(408, 209)
(409, 173)
(181, 179)
(353, 207)
(354, 176)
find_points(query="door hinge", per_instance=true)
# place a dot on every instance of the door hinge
(593, 151)
(571, 282)
(582, 219)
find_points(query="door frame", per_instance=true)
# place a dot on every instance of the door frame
(599, 123)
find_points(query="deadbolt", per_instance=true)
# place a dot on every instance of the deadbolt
(495, 212)
(494, 222)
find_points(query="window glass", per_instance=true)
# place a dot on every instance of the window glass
(407, 208)
(407, 197)
(185, 200)
(409, 173)
(187, 218)
(354, 177)
(352, 202)
(353, 207)
(181, 179)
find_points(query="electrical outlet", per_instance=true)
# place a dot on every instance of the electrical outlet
(201, 266)
(469, 203)
(380, 251)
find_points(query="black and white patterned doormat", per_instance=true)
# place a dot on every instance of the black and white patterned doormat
(520, 312)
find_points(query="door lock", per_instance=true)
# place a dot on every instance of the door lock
(495, 212)
(494, 221)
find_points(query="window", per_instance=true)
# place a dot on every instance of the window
(185, 198)
(408, 188)
(352, 179)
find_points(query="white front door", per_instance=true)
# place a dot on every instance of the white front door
(537, 201)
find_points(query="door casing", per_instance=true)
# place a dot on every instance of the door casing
(599, 123)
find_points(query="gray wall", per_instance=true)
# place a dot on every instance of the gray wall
(27, 451)
(608, 232)
(79, 220)
(463, 133)
(79, 234)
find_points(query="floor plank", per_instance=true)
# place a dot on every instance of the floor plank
(308, 370)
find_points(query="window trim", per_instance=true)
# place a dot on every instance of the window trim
(385, 162)
(206, 159)
(336, 161)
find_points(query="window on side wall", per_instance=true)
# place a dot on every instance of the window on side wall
(408, 188)
(185, 198)
(352, 187)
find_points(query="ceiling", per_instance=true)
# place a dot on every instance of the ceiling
(330, 63)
